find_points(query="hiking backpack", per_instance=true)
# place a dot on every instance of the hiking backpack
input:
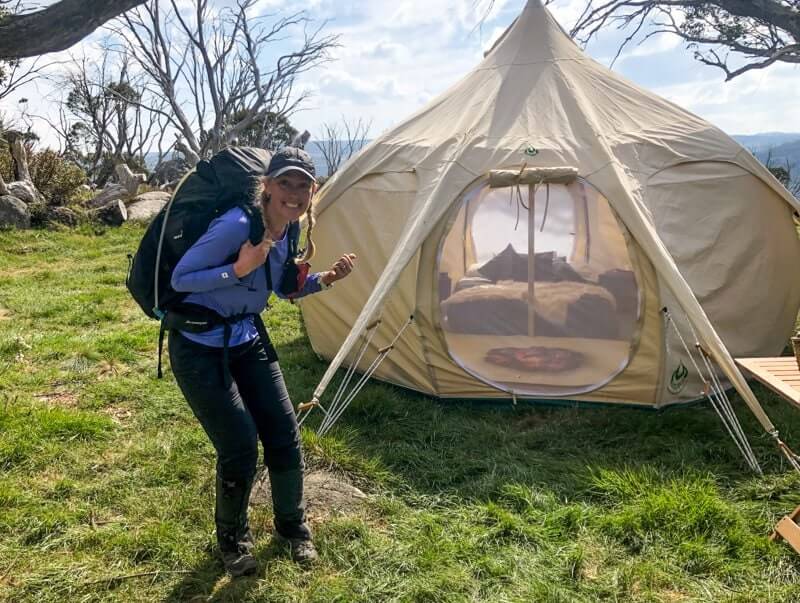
(229, 179)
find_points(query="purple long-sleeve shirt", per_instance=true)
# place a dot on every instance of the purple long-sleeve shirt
(213, 284)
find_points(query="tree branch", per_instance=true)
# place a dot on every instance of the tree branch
(763, 32)
(56, 27)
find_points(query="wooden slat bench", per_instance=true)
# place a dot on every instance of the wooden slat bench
(780, 374)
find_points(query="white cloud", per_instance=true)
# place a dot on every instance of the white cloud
(758, 101)
(397, 56)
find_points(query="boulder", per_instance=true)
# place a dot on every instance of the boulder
(113, 214)
(62, 215)
(25, 192)
(112, 192)
(14, 213)
(145, 207)
(168, 171)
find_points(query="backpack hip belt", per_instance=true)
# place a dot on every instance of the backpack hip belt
(194, 318)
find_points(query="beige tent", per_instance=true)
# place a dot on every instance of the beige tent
(535, 219)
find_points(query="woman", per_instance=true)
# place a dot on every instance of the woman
(237, 391)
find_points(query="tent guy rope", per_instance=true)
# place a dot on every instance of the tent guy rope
(343, 398)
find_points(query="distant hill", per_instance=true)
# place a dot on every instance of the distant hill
(312, 147)
(766, 140)
(780, 147)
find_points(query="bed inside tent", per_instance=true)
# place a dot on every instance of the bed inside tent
(537, 288)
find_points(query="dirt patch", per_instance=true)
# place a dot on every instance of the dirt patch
(110, 368)
(118, 415)
(327, 495)
(5, 314)
(59, 397)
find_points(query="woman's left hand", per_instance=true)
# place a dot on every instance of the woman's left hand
(340, 269)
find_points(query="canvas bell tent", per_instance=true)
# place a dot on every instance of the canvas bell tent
(536, 220)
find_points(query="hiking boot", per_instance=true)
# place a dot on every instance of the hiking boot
(302, 550)
(237, 556)
(239, 562)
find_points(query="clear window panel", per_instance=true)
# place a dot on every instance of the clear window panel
(537, 290)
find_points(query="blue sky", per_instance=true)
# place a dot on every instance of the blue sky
(396, 56)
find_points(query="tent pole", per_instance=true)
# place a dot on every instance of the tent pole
(531, 261)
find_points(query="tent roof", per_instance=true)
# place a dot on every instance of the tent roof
(537, 88)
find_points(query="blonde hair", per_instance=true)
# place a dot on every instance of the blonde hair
(310, 249)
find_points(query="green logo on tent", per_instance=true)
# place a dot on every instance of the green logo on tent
(531, 151)
(678, 379)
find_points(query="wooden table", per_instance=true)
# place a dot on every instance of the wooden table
(779, 374)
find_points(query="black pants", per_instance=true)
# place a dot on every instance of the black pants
(255, 406)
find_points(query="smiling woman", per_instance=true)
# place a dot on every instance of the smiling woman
(230, 374)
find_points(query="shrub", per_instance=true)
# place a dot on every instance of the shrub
(55, 177)
(6, 163)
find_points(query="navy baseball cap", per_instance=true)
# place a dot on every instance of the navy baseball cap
(291, 159)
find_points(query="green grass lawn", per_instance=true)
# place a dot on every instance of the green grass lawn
(106, 479)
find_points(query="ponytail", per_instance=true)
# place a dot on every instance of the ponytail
(310, 248)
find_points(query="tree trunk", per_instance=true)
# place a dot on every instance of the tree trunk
(128, 179)
(191, 157)
(113, 214)
(113, 192)
(21, 171)
(56, 27)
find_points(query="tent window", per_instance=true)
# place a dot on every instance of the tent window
(537, 290)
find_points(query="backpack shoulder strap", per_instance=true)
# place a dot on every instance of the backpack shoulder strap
(294, 239)
(156, 309)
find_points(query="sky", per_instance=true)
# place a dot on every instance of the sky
(396, 56)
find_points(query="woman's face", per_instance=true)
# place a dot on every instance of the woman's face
(290, 195)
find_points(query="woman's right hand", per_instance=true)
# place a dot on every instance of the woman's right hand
(251, 257)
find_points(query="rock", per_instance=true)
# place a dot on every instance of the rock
(25, 192)
(113, 214)
(128, 179)
(326, 494)
(170, 186)
(14, 213)
(62, 215)
(112, 192)
(145, 207)
(168, 171)
(85, 188)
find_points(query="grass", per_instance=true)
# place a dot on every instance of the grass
(106, 479)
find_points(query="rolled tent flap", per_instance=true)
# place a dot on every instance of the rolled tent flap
(646, 236)
(552, 175)
(444, 180)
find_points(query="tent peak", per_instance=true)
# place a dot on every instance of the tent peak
(533, 35)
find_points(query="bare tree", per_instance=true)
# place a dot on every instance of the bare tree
(759, 32)
(110, 118)
(18, 72)
(56, 27)
(341, 141)
(213, 69)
